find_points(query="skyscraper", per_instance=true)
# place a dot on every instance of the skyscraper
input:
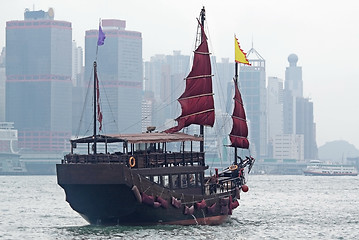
(252, 80)
(297, 110)
(223, 86)
(38, 80)
(78, 87)
(293, 77)
(2, 85)
(293, 90)
(77, 64)
(119, 67)
(274, 107)
(164, 76)
(305, 125)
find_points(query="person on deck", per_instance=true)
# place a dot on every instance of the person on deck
(213, 182)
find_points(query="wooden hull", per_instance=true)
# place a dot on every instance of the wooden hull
(103, 194)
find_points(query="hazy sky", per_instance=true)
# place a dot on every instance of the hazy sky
(323, 33)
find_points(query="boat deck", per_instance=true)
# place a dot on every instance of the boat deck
(141, 160)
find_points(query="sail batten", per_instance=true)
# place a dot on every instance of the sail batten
(206, 111)
(196, 96)
(202, 76)
(204, 53)
(197, 102)
(239, 118)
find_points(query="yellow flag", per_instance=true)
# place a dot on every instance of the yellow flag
(240, 56)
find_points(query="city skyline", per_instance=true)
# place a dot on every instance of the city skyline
(325, 49)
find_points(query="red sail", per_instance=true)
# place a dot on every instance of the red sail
(197, 100)
(239, 133)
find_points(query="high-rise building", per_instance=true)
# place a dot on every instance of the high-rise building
(147, 110)
(154, 74)
(164, 76)
(281, 146)
(2, 85)
(293, 90)
(38, 81)
(119, 67)
(297, 110)
(293, 77)
(78, 92)
(223, 93)
(274, 107)
(252, 83)
(288, 147)
(305, 125)
(289, 105)
(77, 64)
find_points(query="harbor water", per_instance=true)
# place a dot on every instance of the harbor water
(275, 207)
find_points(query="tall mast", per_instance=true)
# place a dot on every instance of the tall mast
(235, 85)
(201, 127)
(94, 106)
(239, 133)
(197, 101)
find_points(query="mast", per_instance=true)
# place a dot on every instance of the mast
(235, 85)
(239, 133)
(201, 127)
(197, 101)
(94, 107)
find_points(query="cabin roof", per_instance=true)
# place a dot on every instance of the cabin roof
(140, 138)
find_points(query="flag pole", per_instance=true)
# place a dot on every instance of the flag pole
(236, 85)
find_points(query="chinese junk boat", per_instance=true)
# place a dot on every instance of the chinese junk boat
(144, 181)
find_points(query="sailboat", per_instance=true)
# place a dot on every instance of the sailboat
(158, 177)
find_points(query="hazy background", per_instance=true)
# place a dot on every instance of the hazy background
(323, 33)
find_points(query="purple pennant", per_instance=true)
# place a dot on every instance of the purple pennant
(101, 37)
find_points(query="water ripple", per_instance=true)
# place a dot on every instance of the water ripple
(276, 207)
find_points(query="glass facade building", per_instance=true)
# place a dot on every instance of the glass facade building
(119, 68)
(252, 84)
(38, 81)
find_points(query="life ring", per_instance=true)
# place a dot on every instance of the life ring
(132, 161)
(233, 167)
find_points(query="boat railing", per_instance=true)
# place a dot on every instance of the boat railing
(172, 159)
(141, 160)
(222, 184)
(94, 158)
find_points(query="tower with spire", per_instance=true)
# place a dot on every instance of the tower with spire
(298, 111)
(293, 77)
(252, 83)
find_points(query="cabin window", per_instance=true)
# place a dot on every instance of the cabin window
(156, 179)
(191, 180)
(176, 181)
(184, 181)
(151, 147)
(165, 181)
(198, 179)
(140, 147)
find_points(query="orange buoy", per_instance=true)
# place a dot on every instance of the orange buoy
(245, 188)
